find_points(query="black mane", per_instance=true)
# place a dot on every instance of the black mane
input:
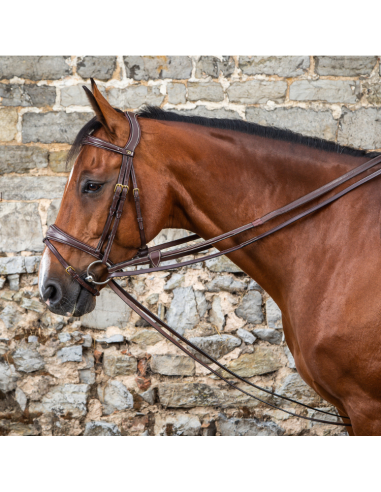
(155, 113)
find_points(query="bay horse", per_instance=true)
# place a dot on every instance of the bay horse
(210, 176)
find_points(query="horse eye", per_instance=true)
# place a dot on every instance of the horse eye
(92, 187)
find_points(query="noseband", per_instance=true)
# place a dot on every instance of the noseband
(154, 255)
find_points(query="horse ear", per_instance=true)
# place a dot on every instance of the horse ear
(111, 120)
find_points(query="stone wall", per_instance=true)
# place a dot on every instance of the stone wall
(108, 373)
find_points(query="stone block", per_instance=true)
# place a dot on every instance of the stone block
(202, 304)
(117, 364)
(273, 314)
(210, 113)
(8, 123)
(284, 66)
(262, 361)
(247, 427)
(53, 211)
(269, 335)
(97, 67)
(32, 187)
(19, 159)
(216, 346)
(73, 95)
(134, 96)
(372, 90)
(101, 429)
(211, 66)
(145, 337)
(294, 387)
(250, 308)
(14, 281)
(172, 365)
(175, 281)
(8, 377)
(158, 67)
(257, 91)
(114, 396)
(27, 95)
(333, 91)
(246, 336)
(27, 360)
(32, 263)
(182, 314)
(52, 127)
(20, 230)
(319, 124)
(222, 264)
(66, 399)
(361, 128)
(117, 338)
(109, 311)
(70, 354)
(35, 387)
(87, 376)
(177, 425)
(21, 398)
(58, 161)
(290, 358)
(32, 305)
(51, 320)
(345, 66)
(176, 93)
(34, 67)
(216, 316)
(224, 282)
(11, 316)
(210, 91)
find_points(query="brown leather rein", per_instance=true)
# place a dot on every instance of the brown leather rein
(154, 255)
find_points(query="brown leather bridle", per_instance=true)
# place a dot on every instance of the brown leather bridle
(154, 255)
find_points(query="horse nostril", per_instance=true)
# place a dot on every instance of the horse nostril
(49, 292)
(52, 293)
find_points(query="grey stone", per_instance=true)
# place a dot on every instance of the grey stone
(251, 308)
(216, 316)
(20, 230)
(216, 345)
(253, 285)
(213, 66)
(64, 399)
(115, 396)
(87, 376)
(14, 281)
(210, 91)
(273, 314)
(33, 305)
(332, 91)
(73, 95)
(172, 365)
(53, 211)
(158, 67)
(19, 159)
(27, 95)
(32, 263)
(64, 337)
(58, 161)
(262, 361)
(97, 67)
(257, 91)
(135, 96)
(269, 335)
(222, 264)
(32, 187)
(175, 281)
(284, 66)
(361, 128)
(8, 123)
(11, 315)
(294, 387)
(149, 396)
(202, 304)
(8, 377)
(21, 398)
(145, 337)
(176, 93)
(178, 425)
(32, 339)
(182, 314)
(246, 336)
(2, 282)
(152, 299)
(53, 126)
(70, 354)
(28, 360)
(247, 427)
(101, 429)
(87, 340)
(345, 65)
(290, 358)
(12, 264)
(305, 121)
(224, 282)
(51, 320)
(210, 113)
(109, 311)
(117, 338)
(372, 90)
(117, 364)
(34, 67)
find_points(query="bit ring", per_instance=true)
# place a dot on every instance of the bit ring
(90, 278)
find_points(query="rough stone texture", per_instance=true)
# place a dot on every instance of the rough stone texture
(115, 396)
(27, 95)
(257, 91)
(332, 91)
(172, 365)
(70, 354)
(8, 124)
(361, 128)
(251, 308)
(247, 427)
(269, 335)
(211, 91)
(246, 336)
(273, 314)
(73, 95)
(182, 314)
(308, 122)
(53, 211)
(34, 67)
(14, 282)
(28, 360)
(109, 311)
(216, 345)
(135, 96)
(158, 67)
(64, 399)
(117, 364)
(98, 67)
(176, 93)
(224, 282)
(18, 159)
(262, 361)
(146, 337)
(346, 66)
(32, 187)
(8, 377)
(284, 66)
(210, 113)
(101, 429)
(32, 305)
(57, 161)
(213, 66)
(21, 398)
(11, 316)
(178, 425)
(53, 127)
(290, 358)
(294, 387)
(222, 264)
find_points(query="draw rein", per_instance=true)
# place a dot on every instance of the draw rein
(154, 255)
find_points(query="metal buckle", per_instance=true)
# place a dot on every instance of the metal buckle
(90, 278)
(122, 186)
(135, 189)
(69, 268)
